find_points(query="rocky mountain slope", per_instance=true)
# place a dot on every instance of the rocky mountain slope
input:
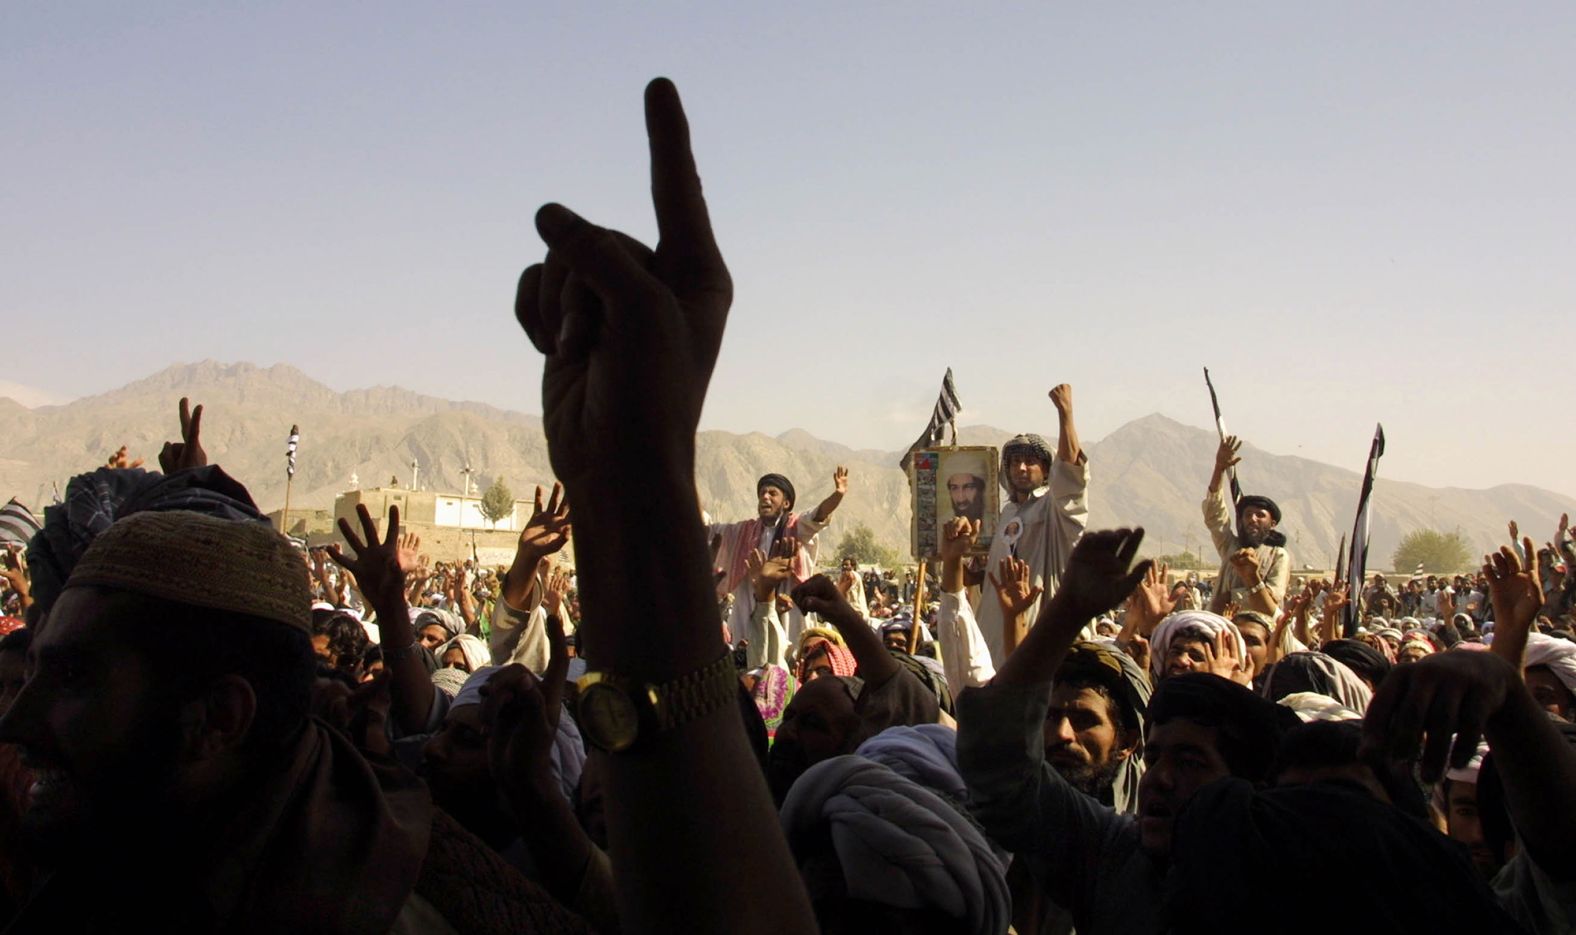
(1151, 471)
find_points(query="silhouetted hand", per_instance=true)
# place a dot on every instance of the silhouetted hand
(630, 335)
(1423, 704)
(186, 453)
(548, 529)
(819, 595)
(1100, 574)
(378, 565)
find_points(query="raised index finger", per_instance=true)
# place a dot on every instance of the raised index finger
(683, 224)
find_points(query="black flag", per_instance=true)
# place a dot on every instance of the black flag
(1357, 566)
(947, 409)
(1220, 426)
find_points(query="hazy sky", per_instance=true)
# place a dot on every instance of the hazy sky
(1350, 211)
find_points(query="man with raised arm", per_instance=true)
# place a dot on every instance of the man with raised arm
(630, 337)
(775, 520)
(1046, 513)
(1254, 566)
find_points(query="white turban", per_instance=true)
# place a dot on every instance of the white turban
(1559, 655)
(1211, 624)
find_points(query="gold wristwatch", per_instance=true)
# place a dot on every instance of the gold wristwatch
(615, 712)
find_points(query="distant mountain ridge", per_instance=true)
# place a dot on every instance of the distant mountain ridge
(1150, 472)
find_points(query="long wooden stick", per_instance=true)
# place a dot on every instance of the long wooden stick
(284, 515)
(919, 603)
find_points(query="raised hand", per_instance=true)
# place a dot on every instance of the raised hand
(1151, 601)
(1100, 574)
(186, 453)
(1062, 397)
(407, 551)
(554, 599)
(818, 595)
(1517, 595)
(1226, 456)
(548, 529)
(1016, 591)
(958, 537)
(1221, 658)
(1423, 704)
(631, 335)
(840, 479)
(767, 574)
(121, 460)
(378, 564)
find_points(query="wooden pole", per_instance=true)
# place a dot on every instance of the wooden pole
(284, 515)
(919, 604)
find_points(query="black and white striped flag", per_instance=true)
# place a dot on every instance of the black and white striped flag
(947, 409)
(1358, 564)
(1220, 427)
(17, 523)
(290, 450)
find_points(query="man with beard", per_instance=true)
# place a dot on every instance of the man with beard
(967, 492)
(1094, 727)
(165, 717)
(1254, 566)
(774, 521)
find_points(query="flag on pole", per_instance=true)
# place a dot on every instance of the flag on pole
(1357, 565)
(947, 409)
(290, 450)
(17, 523)
(1220, 427)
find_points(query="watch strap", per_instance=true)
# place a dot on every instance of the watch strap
(695, 694)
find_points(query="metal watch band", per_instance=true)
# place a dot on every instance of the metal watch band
(695, 694)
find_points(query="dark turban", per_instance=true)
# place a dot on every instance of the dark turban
(1249, 727)
(1257, 500)
(1361, 658)
(95, 500)
(778, 481)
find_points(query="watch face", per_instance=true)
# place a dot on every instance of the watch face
(608, 717)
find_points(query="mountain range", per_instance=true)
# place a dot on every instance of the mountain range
(1150, 472)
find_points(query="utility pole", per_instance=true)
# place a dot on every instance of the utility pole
(465, 472)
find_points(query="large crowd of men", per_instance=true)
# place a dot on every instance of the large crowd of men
(650, 722)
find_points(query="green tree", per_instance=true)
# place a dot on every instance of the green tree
(497, 501)
(1437, 552)
(1183, 559)
(861, 543)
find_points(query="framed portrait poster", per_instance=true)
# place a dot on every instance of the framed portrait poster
(949, 482)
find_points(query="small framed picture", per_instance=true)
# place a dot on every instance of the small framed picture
(950, 482)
